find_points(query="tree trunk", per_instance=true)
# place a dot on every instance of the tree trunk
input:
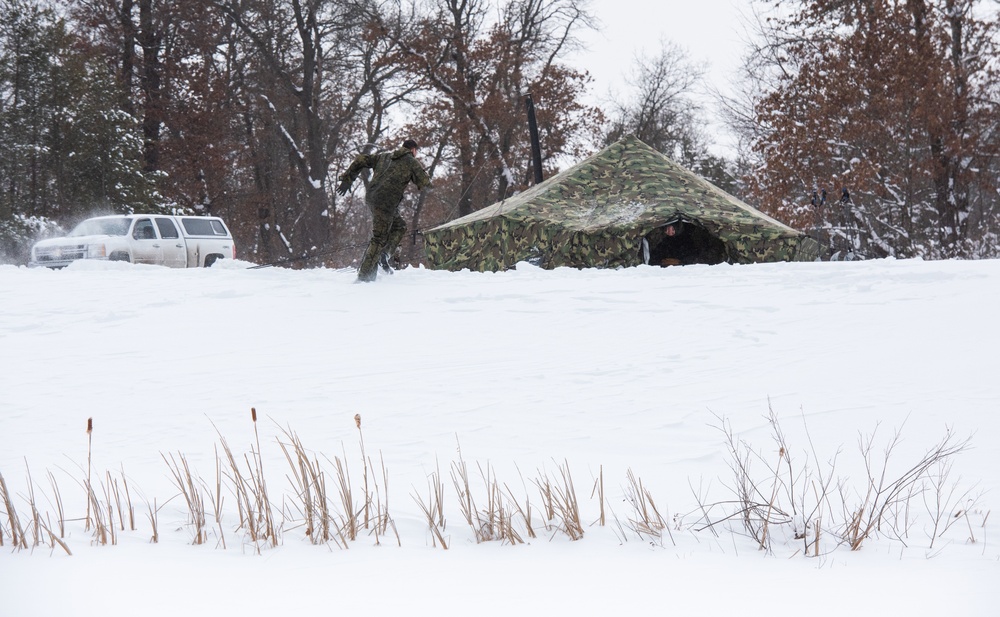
(152, 120)
(314, 228)
(467, 158)
(126, 69)
(958, 202)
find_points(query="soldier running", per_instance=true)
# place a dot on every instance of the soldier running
(392, 172)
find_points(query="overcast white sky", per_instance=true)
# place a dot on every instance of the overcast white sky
(712, 31)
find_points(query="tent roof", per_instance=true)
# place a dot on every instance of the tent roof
(627, 185)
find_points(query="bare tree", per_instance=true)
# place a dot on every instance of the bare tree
(314, 77)
(476, 73)
(660, 109)
(288, 41)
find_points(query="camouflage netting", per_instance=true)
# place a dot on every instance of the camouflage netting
(597, 213)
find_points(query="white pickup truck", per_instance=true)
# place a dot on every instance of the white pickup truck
(172, 241)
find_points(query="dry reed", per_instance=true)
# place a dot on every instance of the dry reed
(561, 502)
(57, 500)
(90, 443)
(17, 536)
(433, 509)
(309, 481)
(599, 491)
(181, 473)
(647, 520)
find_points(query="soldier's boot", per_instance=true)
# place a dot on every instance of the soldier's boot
(386, 263)
(369, 265)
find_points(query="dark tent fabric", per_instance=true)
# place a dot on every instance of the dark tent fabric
(624, 206)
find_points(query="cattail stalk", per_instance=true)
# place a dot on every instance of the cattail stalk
(364, 462)
(90, 441)
(264, 503)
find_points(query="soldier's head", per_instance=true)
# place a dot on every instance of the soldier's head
(411, 145)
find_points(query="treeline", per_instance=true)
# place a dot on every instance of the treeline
(248, 109)
(896, 101)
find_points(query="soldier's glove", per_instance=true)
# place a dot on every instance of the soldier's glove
(343, 187)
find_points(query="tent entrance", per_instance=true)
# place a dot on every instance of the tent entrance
(682, 243)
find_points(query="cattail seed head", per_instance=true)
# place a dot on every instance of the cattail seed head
(90, 425)
(357, 420)
(253, 413)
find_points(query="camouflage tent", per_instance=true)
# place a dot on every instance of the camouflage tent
(624, 206)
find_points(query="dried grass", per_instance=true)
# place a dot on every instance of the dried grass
(181, 473)
(776, 500)
(309, 481)
(154, 522)
(646, 520)
(884, 494)
(351, 522)
(561, 502)
(599, 491)
(104, 531)
(14, 528)
(800, 502)
(250, 491)
(433, 509)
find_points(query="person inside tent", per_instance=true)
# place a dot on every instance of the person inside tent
(679, 243)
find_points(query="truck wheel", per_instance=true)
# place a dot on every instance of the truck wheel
(119, 256)
(211, 259)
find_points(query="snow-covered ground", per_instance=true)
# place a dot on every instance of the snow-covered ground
(530, 377)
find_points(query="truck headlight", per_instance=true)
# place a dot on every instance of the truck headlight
(96, 251)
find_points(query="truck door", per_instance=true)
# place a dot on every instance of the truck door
(146, 247)
(174, 250)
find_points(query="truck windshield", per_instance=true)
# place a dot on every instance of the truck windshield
(102, 227)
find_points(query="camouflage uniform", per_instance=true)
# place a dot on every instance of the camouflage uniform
(392, 172)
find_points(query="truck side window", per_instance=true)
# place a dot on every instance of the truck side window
(194, 226)
(168, 231)
(144, 230)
